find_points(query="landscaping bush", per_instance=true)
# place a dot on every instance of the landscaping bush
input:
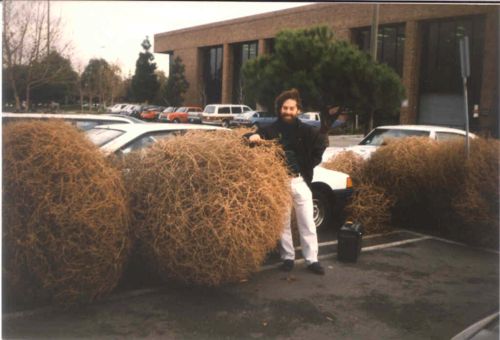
(65, 216)
(207, 207)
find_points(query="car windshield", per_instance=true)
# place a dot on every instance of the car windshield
(378, 136)
(169, 109)
(102, 136)
(210, 109)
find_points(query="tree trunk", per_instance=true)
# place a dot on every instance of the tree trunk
(28, 99)
(14, 89)
(81, 100)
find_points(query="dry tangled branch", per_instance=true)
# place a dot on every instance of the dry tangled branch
(434, 185)
(401, 167)
(65, 227)
(347, 162)
(207, 207)
(371, 207)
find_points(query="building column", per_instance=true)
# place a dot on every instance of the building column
(227, 76)
(411, 71)
(262, 47)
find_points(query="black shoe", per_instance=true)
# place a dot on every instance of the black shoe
(287, 265)
(316, 268)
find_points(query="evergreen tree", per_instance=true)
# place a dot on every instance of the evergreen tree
(328, 73)
(176, 85)
(145, 82)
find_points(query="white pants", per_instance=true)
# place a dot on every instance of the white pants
(303, 204)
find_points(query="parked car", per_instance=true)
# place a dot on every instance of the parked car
(81, 121)
(253, 118)
(194, 117)
(117, 108)
(331, 189)
(222, 114)
(378, 136)
(124, 138)
(132, 110)
(151, 112)
(180, 115)
(162, 117)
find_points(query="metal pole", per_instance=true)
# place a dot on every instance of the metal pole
(373, 49)
(465, 71)
(466, 109)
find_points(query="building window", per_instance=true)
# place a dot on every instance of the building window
(212, 74)
(170, 60)
(441, 89)
(242, 53)
(441, 60)
(390, 44)
(270, 45)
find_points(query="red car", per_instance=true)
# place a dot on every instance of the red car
(180, 115)
(151, 113)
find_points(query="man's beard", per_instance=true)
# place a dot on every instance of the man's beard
(289, 119)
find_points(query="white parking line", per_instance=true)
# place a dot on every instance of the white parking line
(451, 242)
(380, 246)
(329, 243)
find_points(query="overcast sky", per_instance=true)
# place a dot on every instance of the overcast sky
(114, 30)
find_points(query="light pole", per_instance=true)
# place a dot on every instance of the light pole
(465, 70)
(373, 47)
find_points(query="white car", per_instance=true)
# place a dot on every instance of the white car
(124, 138)
(117, 108)
(331, 189)
(377, 136)
(222, 114)
(81, 121)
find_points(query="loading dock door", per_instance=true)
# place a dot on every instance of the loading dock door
(441, 98)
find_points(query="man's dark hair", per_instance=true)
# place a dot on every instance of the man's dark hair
(284, 96)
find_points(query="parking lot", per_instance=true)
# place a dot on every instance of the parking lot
(404, 286)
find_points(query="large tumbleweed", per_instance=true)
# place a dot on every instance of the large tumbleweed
(207, 207)
(65, 216)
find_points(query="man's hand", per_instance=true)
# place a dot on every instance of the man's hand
(255, 138)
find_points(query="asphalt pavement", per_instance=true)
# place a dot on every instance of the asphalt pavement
(404, 286)
(344, 140)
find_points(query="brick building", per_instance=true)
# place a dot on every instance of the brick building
(420, 41)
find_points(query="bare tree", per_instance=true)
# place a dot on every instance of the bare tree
(27, 32)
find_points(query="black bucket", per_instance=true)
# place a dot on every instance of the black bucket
(349, 242)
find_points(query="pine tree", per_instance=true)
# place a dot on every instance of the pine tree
(145, 82)
(176, 84)
(329, 74)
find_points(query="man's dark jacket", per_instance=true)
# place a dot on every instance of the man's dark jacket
(309, 145)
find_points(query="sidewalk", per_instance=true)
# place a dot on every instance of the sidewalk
(420, 290)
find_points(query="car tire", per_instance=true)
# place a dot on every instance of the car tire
(256, 125)
(176, 121)
(322, 208)
(225, 124)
